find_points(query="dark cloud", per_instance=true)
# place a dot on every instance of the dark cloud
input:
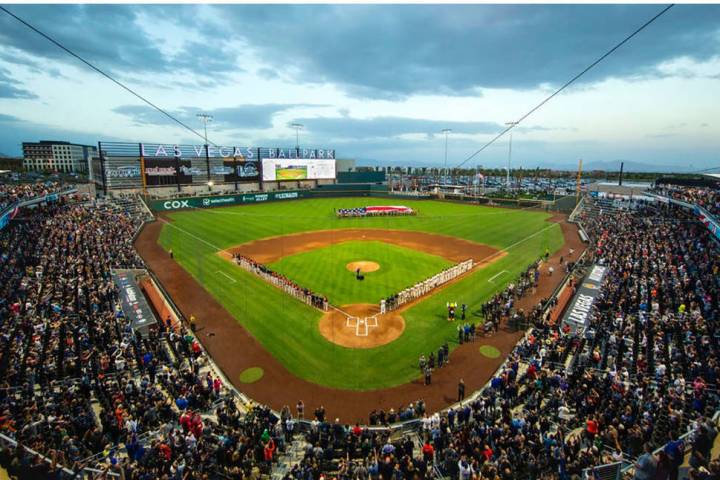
(379, 51)
(238, 117)
(383, 127)
(389, 51)
(109, 37)
(9, 88)
(268, 73)
(14, 131)
(7, 118)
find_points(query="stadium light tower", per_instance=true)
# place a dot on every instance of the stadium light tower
(446, 131)
(297, 127)
(507, 181)
(205, 119)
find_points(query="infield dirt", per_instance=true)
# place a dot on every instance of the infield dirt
(272, 249)
(234, 349)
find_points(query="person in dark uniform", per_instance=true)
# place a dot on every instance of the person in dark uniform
(171, 253)
(428, 375)
(320, 414)
(461, 390)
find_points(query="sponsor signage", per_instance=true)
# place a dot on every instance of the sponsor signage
(8, 215)
(119, 163)
(132, 301)
(577, 315)
(225, 200)
(239, 171)
(163, 172)
(169, 150)
(279, 170)
(129, 171)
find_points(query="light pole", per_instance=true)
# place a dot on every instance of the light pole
(507, 181)
(445, 131)
(205, 119)
(297, 127)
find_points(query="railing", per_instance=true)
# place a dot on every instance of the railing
(578, 208)
(7, 211)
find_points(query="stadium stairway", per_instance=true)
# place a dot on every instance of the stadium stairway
(293, 455)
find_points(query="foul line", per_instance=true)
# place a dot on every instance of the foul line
(226, 276)
(347, 314)
(516, 244)
(496, 275)
(194, 236)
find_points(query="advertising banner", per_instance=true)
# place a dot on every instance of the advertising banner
(708, 220)
(225, 200)
(132, 301)
(7, 216)
(241, 171)
(577, 315)
(276, 169)
(169, 171)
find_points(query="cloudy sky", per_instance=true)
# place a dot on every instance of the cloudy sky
(377, 83)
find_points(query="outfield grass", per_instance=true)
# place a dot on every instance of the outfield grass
(324, 271)
(288, 328)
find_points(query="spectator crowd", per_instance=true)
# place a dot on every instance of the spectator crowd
(83, 389)
(706, 197)
(642, 378)
(11, 193)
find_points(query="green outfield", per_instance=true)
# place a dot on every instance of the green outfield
(324, 271)
(289, 329)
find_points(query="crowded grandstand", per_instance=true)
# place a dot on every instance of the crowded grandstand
(85, 392)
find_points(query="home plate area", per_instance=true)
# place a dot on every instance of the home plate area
(362, 325)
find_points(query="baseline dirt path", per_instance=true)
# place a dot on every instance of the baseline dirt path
(234, 349)
(272, 249)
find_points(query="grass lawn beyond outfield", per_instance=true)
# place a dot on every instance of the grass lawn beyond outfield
(288, 329)
(324, 271)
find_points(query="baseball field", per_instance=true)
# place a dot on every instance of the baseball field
(305, 241)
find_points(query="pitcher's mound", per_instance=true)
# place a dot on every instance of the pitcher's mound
(363, 266)
(361, 326)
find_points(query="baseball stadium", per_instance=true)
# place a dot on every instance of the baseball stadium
(250, 303)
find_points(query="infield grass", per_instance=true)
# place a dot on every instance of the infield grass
(289, 329)
(324, 271)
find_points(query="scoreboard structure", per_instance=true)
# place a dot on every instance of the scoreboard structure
(121, 166)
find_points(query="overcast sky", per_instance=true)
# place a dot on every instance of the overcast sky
(377, 83)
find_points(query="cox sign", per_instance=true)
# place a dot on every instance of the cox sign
(175, 204)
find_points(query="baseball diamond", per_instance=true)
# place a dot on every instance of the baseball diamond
(352, 355)
(498, 275)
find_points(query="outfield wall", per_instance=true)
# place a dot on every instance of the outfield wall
(323, 191)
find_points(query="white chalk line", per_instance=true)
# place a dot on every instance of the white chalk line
(226, 276)
(221, 250)
(496, 275)
(361, 322)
